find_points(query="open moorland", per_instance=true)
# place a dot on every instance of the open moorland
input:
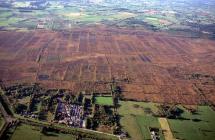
(147, 66)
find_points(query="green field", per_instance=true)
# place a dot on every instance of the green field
(138, 126)
(136, 108)
(28, 132)
(104, 101)
(199, 126)
(144, 123)
(136, 121)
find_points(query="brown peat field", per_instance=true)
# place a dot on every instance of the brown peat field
(148, 66)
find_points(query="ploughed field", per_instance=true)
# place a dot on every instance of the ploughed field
(147, 66)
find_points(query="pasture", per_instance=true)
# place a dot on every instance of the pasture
(138, 126)
(104, 101)
(146, 122)
(198, 126)
(28, 132)
(136, 119)
(137, 108)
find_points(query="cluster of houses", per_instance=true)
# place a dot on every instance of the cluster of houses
(42, 23)
(29, 115)
(154, 133)
(70, 114)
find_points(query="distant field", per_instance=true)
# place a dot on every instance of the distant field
(153, 15)
(189, 129)
(28, 132)
(104, 100)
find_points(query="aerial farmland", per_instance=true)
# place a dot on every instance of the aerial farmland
(107, 70)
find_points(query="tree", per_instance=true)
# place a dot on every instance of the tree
(170, 111)
(31, 106)
(67, 98)
(87, 103)
(148, 110)
(19, 108)
(93, 99)
(115, 102)
(80, 98)
(95, 124)
(89, 123)
(43, 112)
(44, 130)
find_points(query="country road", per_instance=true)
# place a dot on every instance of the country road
(8, 120)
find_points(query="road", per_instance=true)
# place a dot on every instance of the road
(8, 120)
